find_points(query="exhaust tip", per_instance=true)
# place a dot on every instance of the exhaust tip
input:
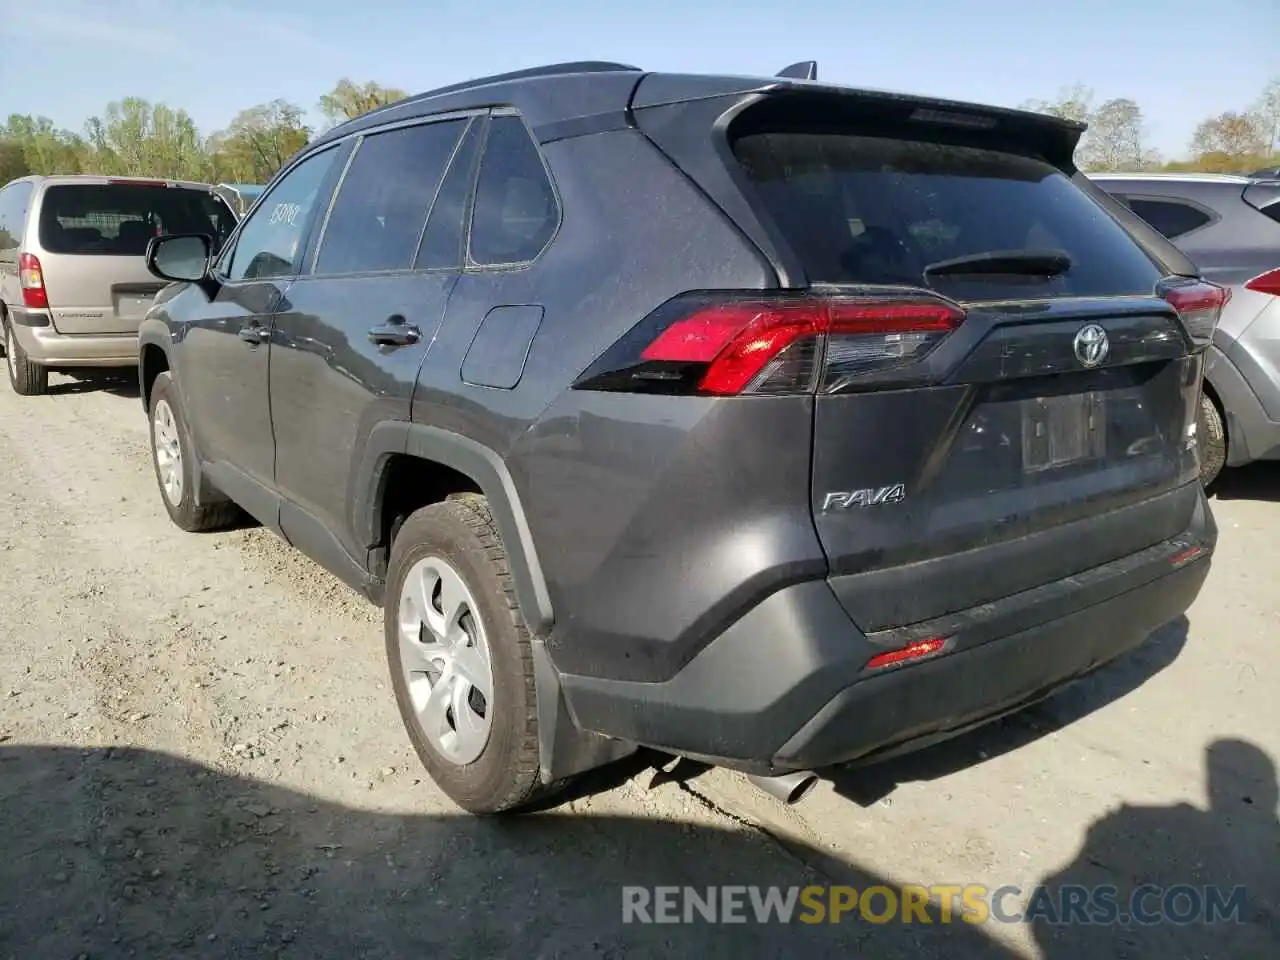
(790, 788)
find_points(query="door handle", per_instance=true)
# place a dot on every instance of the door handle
(395, 333)
(254, 335)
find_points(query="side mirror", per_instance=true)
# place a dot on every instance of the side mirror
(183, 258)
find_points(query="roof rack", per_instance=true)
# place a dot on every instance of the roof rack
(804, 70)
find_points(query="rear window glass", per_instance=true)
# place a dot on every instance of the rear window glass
(880, 210)
(120, 219)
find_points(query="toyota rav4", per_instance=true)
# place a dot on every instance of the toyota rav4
(767, 422)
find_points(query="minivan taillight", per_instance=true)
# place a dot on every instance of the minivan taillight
(31, 279)
(1199, 304)
(736, 344)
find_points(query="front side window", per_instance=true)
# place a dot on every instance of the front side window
(515, 208)
(384, 199)
(271, 240)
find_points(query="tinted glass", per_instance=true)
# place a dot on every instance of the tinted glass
(878, 209)
(117, 219)
(384, 199)
(446, 227)
(270, 242)
(1171, 218)
(515, 210)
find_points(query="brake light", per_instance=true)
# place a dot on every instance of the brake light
(138, 183)
(1199, 304)
(912, 651)
(1268, 282)
(729, 345)
(31, 279)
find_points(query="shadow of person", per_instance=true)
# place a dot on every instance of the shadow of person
(866, 785)
(1193, 883)
(129, 853)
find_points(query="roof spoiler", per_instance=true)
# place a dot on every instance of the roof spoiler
(804, 70)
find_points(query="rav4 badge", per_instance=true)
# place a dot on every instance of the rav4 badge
(870, 497)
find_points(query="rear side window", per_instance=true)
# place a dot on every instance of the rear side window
(515, 209)
(861, 209)
(446, 226)
(117, 219)
(382, 205)
(1171, 218)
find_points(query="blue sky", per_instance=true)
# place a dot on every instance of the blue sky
(1181, 60)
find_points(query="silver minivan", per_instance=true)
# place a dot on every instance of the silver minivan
(74, 283)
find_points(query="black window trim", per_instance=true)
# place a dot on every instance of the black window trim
(1213, 215)
(359, 138)
(229, 248)
(469, 265)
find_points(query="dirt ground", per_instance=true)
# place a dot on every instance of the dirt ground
(199, 756)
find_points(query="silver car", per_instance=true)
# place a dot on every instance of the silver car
(74, 283)
(1230, 227)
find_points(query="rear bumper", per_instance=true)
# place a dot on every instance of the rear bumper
(784, 688)
(45, 346)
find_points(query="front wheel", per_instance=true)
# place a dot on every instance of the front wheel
(460, 657)
(175, 463)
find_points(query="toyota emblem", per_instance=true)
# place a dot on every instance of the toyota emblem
(1091, 345)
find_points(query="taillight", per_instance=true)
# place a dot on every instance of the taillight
(31, 279)
(1199, 304)
(1268, 282)
(726, 345)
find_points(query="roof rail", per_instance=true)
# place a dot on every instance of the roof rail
(804, 70)
(550, 70)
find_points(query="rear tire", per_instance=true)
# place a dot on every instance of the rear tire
(449, 556)
(177, 470)
(27, 379)
(1211, 435)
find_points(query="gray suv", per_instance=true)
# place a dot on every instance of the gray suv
(768, 422)
(74, 282)
(1230, 226)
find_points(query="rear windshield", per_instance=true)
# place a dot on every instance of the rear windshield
(119, 219)
(879, 209)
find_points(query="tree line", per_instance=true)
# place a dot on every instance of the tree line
(136, 137)
(1235, 141)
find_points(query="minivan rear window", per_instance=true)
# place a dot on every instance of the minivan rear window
(866, 209)
(116, 219)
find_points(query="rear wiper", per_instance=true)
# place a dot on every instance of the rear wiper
(1046, 263)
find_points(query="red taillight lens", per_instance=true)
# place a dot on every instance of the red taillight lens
(1268, 282)
(1199, 304)
(31, 279)
(718, 346)
(912, 651)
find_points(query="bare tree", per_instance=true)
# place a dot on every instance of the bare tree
(1115, 138)
(1267, 112)
(1234, 135)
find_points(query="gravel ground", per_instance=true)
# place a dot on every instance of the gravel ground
(199, 756)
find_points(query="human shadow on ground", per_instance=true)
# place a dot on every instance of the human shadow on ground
(868, 784)
(1167, 864)
(127, 853)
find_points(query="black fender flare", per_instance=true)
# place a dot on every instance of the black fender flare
(487, 469)
(152, 333)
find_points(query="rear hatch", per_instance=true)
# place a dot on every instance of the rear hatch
(93, 243)
(1005, 395)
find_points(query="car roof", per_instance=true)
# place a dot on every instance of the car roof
(96, 179)
(1222, 178)
(571, 93)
